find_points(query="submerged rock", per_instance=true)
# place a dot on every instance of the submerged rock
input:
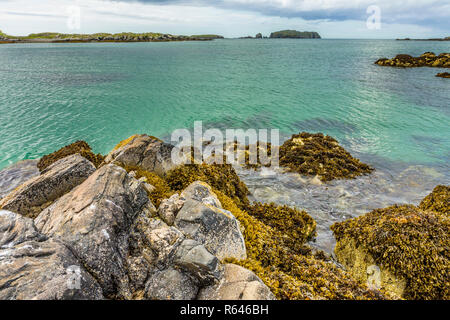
(80, 147)
(143, 151)
(94, 220)
(34, 267)
(322, 156)
(438, 200)
(402, 249)
(428, 59)
(237, 283)
(57, 179)
(16, 174)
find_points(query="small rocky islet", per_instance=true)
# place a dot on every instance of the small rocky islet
(427, 59)
(136, 226)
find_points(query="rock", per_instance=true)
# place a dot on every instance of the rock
(195, 259)
(148, 153)
(169, 208)
(438, 200)
(428, 59)
(95, 221)
(407, 245)
(258, 36)
(33, 267)
(443, 75)
(170, 284)
(16, 174)
(237, 283)
(202, 218)
(322, 156)
(59, 178)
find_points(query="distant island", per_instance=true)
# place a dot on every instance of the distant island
(293, 34)
(431, 39)
(53, 37)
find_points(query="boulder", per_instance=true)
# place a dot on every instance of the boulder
(196, 260)
(148, 153)
(59, 178)
(170, 284)
(400, 249)
(203, 219)
(95, 221)
(169, 208)
(237, 283)
(16, 174)
(33, 266)
(438, 200)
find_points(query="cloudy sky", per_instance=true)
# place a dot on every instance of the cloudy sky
(230, 18)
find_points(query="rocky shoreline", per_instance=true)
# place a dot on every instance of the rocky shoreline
(133, 225)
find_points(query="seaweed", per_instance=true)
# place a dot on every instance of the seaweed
(438, 200)
(222, 177)
(428, 59)
(317, 154)
(80, 147)
(288, 267)
(410, 243)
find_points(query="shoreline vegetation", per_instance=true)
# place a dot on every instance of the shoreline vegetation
(190, 231)
(54, 37)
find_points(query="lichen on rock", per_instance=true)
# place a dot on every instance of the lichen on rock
(320, 155)
(409, 245)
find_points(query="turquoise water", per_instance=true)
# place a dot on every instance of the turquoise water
(53, 94)
(394, 119)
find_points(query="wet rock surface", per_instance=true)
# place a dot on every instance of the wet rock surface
(57, 179)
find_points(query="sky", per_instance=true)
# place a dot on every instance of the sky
(367, 19)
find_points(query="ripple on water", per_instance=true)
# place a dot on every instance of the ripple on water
(341, 199)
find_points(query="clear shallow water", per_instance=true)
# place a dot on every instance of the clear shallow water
(395, 119)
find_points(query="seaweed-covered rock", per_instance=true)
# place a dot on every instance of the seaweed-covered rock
(143, 151)
(292, 271)
(408, 246)
(221, 177)
(57, 179)
(445, 75)
(94, 220)
(438, 200)
(322, 156)
(16, 174)
(297, 225)
(428, 59)
(80, 147)
(202, 218)
(35, 267)
(237, 283)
